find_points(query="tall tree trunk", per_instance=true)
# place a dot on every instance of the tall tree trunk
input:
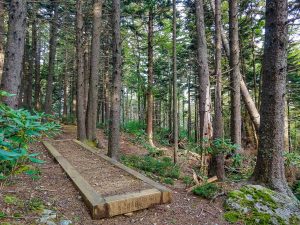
(87, 72)
(80, 106)
(235, 76)
(269, 168)
(2, 12)
(114, 125)
(203, 73)
(175, 109)
(52, 56)
(106, 87)
(66, 84)
(218, 160)
(247, 99)
(14, 51)
(94, 77)
(36, 52)
(189, 124)
(150, 79)
(29, 74)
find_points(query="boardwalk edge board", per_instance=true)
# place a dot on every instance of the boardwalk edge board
(102, 207)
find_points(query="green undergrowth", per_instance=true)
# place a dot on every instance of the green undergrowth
(207, 191)
(19, 207)
(296, 189)
(20, 128)
(162, 168)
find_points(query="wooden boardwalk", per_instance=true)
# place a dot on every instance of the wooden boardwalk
(108, 206)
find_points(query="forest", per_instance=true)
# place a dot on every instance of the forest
(149, 112)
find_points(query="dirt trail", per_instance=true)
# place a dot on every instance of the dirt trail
(59, 194)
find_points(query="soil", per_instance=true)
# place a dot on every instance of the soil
(103, 176)
(58, 193)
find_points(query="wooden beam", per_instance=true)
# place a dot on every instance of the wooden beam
(93, 200)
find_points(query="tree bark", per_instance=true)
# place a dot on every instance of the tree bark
(150, 79)
(2, 12)
(235, 76)
(269, 168)
(52, 56)
(80, 97)
(94, 77)
(114, 125)
(29, 74)
(66, 84)
(218, 159)
(36, 52)
(14, 51)
(175, 109)
(203, 73)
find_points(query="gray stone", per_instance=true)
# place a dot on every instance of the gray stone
(65, 222)
(257, 204)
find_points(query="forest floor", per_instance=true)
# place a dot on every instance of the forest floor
(25, 197)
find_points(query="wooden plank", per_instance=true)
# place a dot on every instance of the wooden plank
(94, 201)
(125, 203)
(166, 196)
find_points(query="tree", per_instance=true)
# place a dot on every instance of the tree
(203, 74)
(175, 109)
(36, 51)
(269, 168)
(150, 77)
(235, 77)
(52, 56)
(91, 119)
(14, 51)
(114, 123)
(218, 160)
(1, 39)
(80, 110)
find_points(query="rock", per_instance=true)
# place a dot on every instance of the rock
(254, 204)
(50, 223)
(47, 217)
(128, 214)
(65, 222)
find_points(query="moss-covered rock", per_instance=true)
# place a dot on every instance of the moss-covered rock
(254, 204)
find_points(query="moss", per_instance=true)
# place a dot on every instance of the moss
(232, 217)
(256, 205)
(294, 220)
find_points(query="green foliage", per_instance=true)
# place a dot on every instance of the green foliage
(292, 159)
(164, 167)
(221, 145)
(207, 191)
(237, 160)
(19, 128)
(35, 204)
(10, 200)
(134, 127)
(187, 180)
(296, 189)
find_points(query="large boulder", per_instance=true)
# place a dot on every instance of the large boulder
(255, 204)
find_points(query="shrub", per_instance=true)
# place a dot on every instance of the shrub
(161, 167)
(207, 191)
(19, 128)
